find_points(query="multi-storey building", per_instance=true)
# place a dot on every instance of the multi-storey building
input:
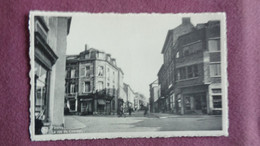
(50, 43)
(94, 83)
(130, 94)
(166, 73)
(190, 77)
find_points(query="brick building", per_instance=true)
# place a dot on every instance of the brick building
(94, 83)
(190, 76)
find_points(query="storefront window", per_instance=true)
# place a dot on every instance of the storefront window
(41, 83)
(217, 103)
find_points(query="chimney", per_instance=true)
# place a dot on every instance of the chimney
(86, 47)
(185, 20)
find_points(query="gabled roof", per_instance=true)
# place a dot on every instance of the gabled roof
(176, 32)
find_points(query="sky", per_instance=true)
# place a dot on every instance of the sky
(134, 40)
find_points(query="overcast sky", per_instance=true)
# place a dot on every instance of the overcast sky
(135, 41)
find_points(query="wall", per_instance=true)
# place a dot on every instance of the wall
(57, 39)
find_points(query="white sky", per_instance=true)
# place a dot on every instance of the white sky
(135, 41)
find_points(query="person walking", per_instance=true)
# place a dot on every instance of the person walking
(130, 111)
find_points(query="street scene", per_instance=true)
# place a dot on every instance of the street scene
(119, 73)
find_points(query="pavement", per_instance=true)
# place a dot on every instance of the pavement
(72, 123)
(138, 122)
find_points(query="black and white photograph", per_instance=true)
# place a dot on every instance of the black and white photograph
(111, 75)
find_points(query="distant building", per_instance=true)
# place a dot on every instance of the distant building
(94, 83)
(140, 101)
(154, 95)
(130, 96)
(190, 76)
(50, 42)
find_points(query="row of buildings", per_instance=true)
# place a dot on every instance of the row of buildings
(189, 80)
(94, 85)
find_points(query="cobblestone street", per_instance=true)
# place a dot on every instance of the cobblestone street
(137, 122)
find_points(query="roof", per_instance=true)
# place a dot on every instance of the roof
(176, 32)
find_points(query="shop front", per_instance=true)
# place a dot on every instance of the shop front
(192, 100)
(85, 105)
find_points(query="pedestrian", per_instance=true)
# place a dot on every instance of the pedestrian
(123, 112)
(130, 111)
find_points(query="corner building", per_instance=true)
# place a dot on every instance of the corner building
(93, 83)
(191, 79)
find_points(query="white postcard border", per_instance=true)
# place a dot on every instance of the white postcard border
(163, 134)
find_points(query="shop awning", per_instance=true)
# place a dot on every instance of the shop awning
(101, 102)
(88, 99)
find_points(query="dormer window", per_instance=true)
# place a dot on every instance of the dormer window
(108, 58)
(87, 56)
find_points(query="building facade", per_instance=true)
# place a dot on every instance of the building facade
(190, 77)
(154, 95)
(50, 43)
(94, 83)
(130, 94)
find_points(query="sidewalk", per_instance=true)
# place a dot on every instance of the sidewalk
(72, 123)
(167, 115)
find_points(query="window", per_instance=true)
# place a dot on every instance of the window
(214, 45)
(192, 49)
(108, 74)
(83, 71)
(101, 55)
(87, 56)
(108, 84)
(190, 72)
(87, 71)
(178, 75)
(188, 103)
(92, 54)
(86, 87)
(114, 77)
(100, 85)
(41, 85)
(72, 88)
(195, 70)
(183, 73)
(177, 55)
(215, 70)
(186, 51)
(187, 72)
(216, 90)
(72, 73)
(100, 71)
(217, 102)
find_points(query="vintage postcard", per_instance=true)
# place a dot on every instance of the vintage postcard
(110, 75)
